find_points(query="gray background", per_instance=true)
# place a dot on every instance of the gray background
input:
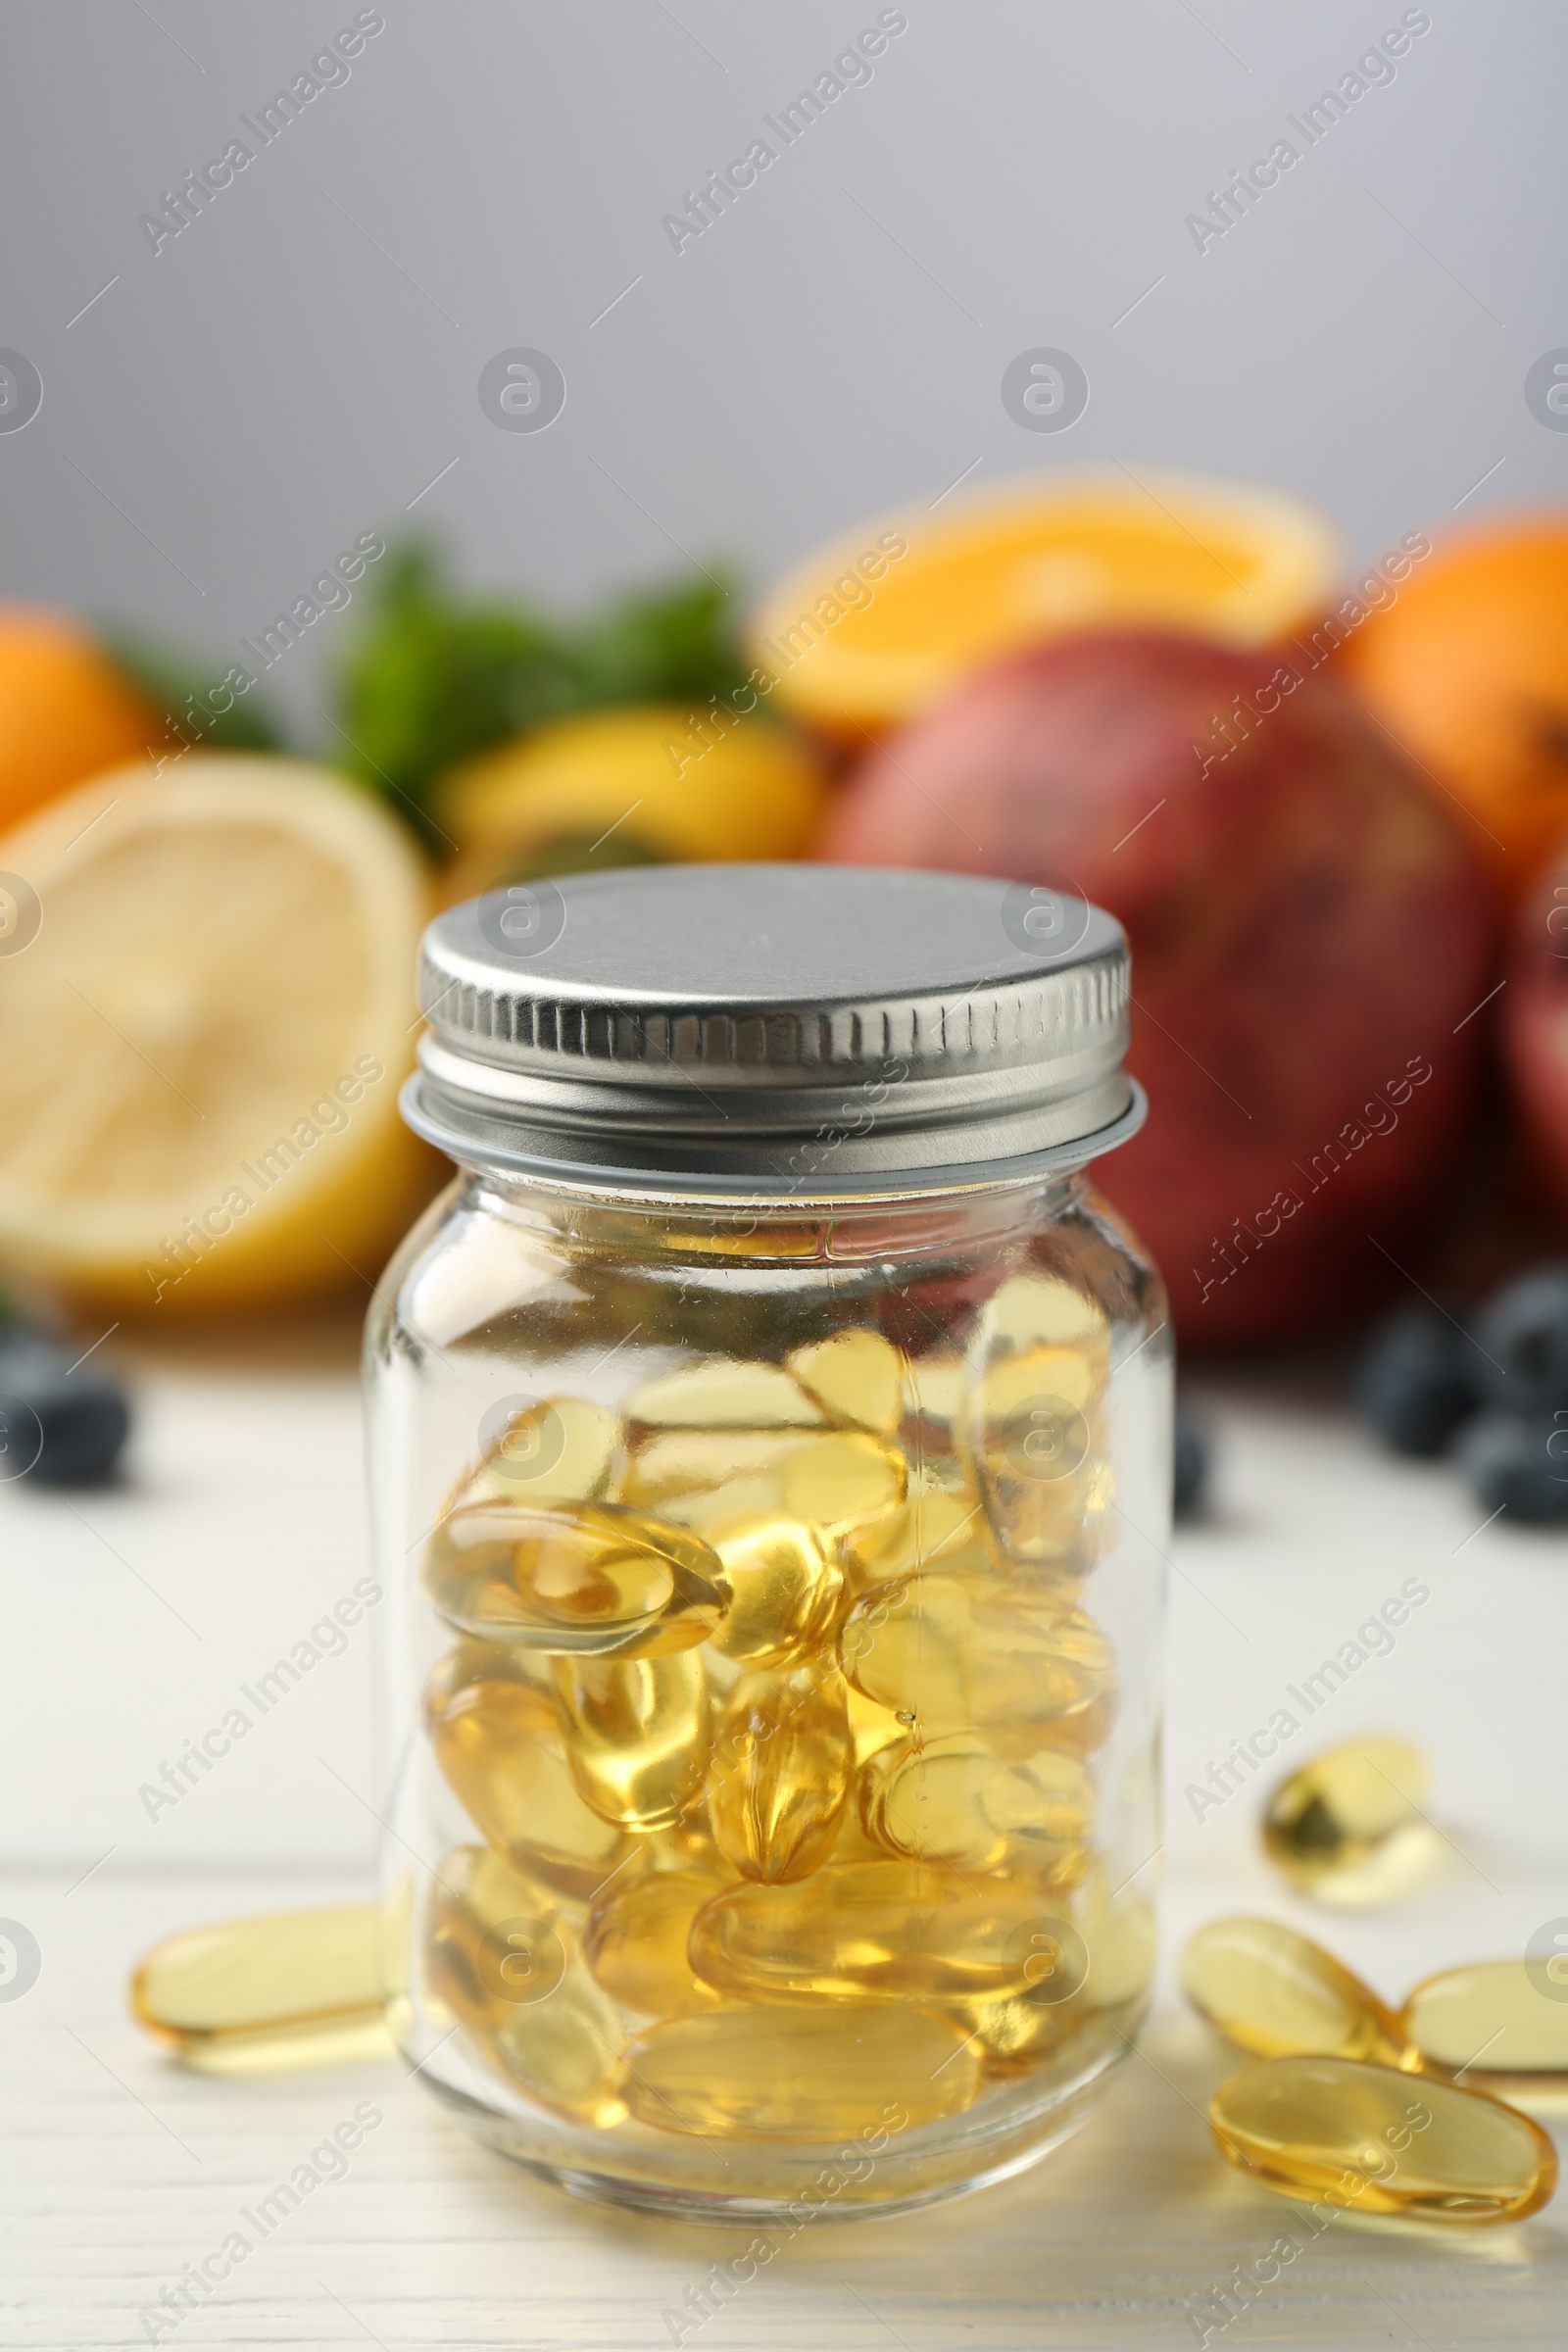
(286, 373)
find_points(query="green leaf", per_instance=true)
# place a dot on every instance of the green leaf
(665, 644)
(180, 684)
(436, 677)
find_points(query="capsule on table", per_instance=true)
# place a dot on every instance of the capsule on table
(724, 1393)
(834, 1480)
(783, 1589)
(801, 2075)
(587, 1579)
(559, 1451)
(503, 1958)
(783, 1754)
(250, 1996)
(855, 1376)
(955, 1799)
(637, 1735)
(1276, 1994)
(956, 1653)
(499, 1744)
(1495, 2017)
(1374, 2141)
(636, 1937)
(873, 1932)
(1347, 1824)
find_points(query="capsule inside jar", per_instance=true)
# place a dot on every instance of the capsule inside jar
(955, 1653)
(498, 1742)
(783, 1758)
(811, 2075)
(590, 1579)
(953, 1799)
(504, 1960)
(636, 1938)
(783, 1585)
(873, 1930)
(637, 1733)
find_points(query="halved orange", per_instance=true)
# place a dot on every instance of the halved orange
(880, 624)
(207, 1006)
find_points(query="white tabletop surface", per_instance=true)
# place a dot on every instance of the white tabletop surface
(129, 1621)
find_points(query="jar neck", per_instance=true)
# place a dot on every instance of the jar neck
(848, 1230)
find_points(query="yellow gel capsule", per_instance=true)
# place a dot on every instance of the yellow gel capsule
(499, 1744)
(961, 1652)
(834, 1480)
(941, 1524)
(637, 1733)
(636, 1937)
(801, 2075)
(1038, 1310)
(257, 1995)
(502, 1957)
(871, 1727)
(1374, 2141)
(955, 1799)
(722, 1393)
(560, 1450)
(1031, 1417)
(854, 1843)
(784, 1591)
(474, 1661)
(872, 1931)
(1277, 1995)
(933, 1398)
(494, 1936)
(857, 1377)
(1016, 2034)
(783, 1756)
(1032, 1425)
(1500, 2017)
(592, 1580)
(1347, 1826)
(1121, 1940)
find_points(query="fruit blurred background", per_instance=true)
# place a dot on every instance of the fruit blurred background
(459, 471)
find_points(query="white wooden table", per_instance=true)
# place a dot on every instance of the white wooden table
(129, 1621)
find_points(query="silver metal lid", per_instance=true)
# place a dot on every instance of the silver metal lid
(797, 1030)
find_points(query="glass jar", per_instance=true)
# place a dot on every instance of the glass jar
(770, 1446)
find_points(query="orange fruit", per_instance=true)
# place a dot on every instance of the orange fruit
(206, 1003)
(876, 627)
(1468, 671)
(65, 712)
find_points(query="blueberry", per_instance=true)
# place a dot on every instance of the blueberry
(1191, 1462)
(1418, 1379)
(63, 1427)
(1524, 1331)
(1517, 1463)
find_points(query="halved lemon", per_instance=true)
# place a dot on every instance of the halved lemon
(644, 784)
(877, 626)
(206, 1010)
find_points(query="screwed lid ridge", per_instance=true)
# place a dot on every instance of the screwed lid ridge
(696, 1025)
